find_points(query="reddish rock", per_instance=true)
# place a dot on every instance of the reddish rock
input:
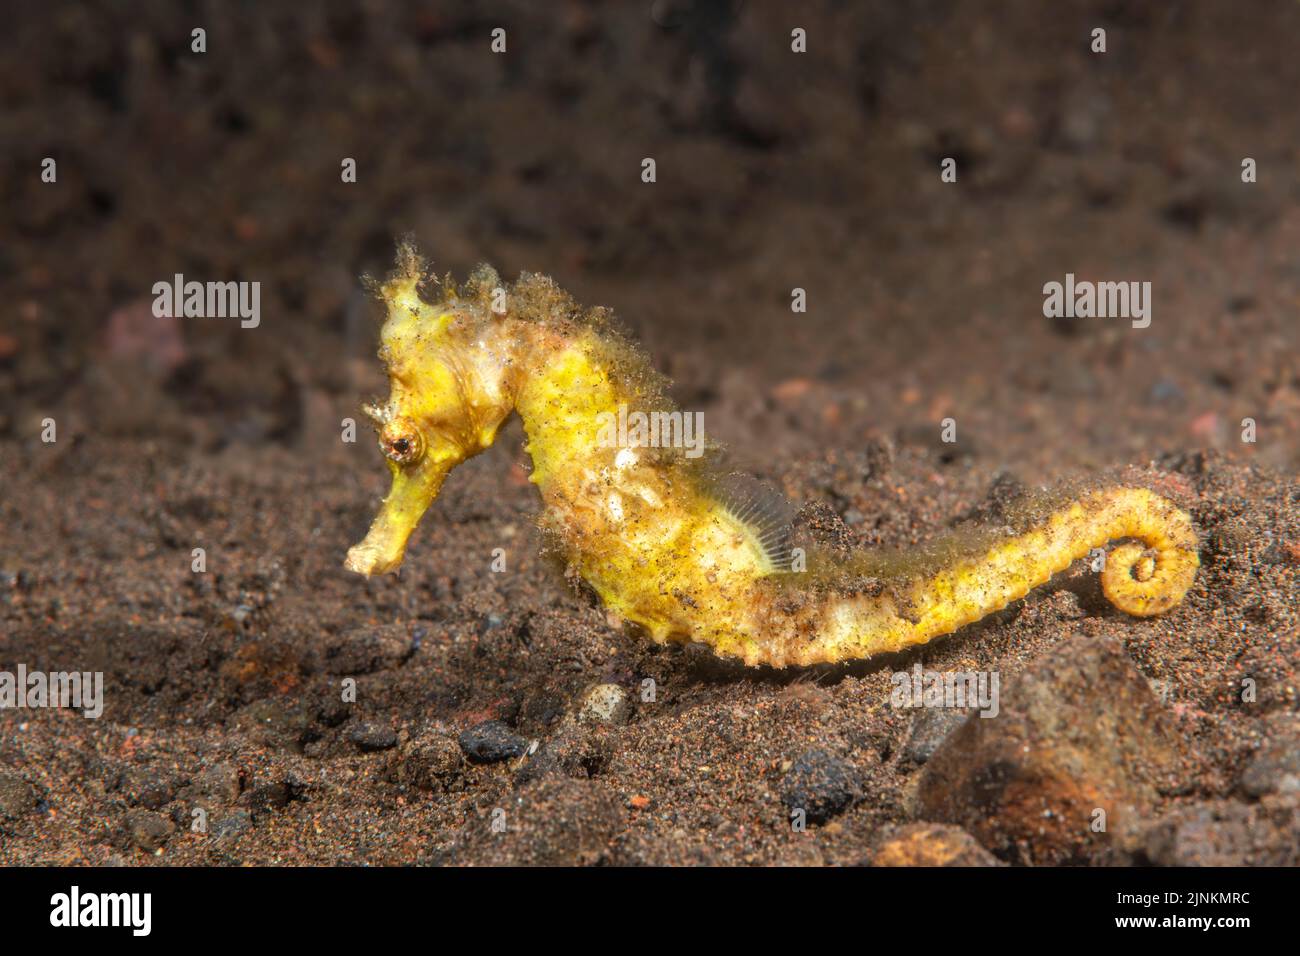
(1079, 732)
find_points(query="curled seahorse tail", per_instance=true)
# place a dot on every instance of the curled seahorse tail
(1145, 577)
(1149, 578)
(1140, 579)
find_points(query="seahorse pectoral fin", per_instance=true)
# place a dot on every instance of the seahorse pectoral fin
(413, 490)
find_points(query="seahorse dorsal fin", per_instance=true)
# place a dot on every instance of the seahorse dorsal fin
(762, 509)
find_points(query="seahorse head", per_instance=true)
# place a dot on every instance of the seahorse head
(449, 365)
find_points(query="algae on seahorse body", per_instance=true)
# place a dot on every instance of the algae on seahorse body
(662, 537)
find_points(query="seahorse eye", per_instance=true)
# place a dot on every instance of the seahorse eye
(402, 441)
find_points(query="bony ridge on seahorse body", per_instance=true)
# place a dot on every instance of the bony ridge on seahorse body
(657, 535)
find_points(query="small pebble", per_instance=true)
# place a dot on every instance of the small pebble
(432, 762)
(367, 650)
(220, 782)
(238, 822)
(269, 796)
(151, 792)
(17, 796)
(492, 741)
(820, 784)
(149, 830)
(370, 738)
(606, 704)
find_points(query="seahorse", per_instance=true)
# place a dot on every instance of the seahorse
(658, 533)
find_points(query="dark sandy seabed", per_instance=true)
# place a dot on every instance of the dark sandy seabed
(924, 302)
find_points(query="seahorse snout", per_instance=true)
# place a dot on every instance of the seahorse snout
(414, 489)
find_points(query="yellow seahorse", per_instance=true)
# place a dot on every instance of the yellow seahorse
(655, 532)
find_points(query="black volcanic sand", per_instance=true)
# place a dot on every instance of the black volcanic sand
(775, 171)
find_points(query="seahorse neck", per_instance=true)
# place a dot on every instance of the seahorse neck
(570, 379)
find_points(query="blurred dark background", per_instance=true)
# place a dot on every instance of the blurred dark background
(775, 170)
